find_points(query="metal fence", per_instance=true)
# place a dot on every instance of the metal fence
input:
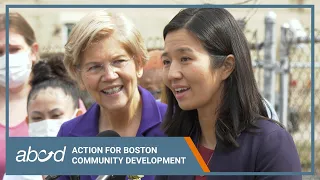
(299, 95)
(283, 72)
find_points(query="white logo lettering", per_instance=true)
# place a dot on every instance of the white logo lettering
(41, 156)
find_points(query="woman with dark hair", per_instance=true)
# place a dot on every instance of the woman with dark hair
(213, 98)
(53, 98)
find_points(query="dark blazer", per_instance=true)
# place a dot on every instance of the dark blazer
(87, 125)
(270, 149)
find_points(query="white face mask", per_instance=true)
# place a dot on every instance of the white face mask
(19, 69)
(47, 127)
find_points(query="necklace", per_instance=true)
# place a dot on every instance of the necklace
(207, 163)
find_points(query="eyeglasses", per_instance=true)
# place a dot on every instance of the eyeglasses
(95, 68)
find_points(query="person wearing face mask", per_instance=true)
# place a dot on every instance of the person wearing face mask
(52, 92)
(48, 103)
(152, 74)
(23, 52)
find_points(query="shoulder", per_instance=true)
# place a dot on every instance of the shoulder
(68, 126)
(83, 125)
(275, 148)
(272, 133)
(274, 137)
(269, 132)
(267, 127)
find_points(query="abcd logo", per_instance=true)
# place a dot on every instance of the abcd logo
(41, 156)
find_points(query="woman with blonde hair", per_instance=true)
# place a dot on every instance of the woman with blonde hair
(105, 54)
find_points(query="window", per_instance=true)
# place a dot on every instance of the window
(67, 27)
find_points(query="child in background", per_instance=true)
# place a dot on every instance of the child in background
(85, 100)
(53, 98)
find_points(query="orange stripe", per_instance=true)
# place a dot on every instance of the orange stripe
(196, 153)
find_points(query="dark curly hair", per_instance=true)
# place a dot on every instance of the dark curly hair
(50, 72)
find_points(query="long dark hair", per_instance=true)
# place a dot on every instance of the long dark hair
(242, 103)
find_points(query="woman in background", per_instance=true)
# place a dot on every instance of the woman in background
(53, 98)
(83, 100)
(23, 52)
(213, 98)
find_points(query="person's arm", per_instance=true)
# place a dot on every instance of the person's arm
(278, 153)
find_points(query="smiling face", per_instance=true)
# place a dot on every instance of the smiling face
(115, 84)
(188, 71)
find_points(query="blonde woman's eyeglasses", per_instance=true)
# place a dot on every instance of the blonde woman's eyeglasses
(98, 68)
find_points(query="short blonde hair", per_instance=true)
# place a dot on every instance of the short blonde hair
(94, 27)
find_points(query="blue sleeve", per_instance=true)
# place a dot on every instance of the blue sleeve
(278, 153)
